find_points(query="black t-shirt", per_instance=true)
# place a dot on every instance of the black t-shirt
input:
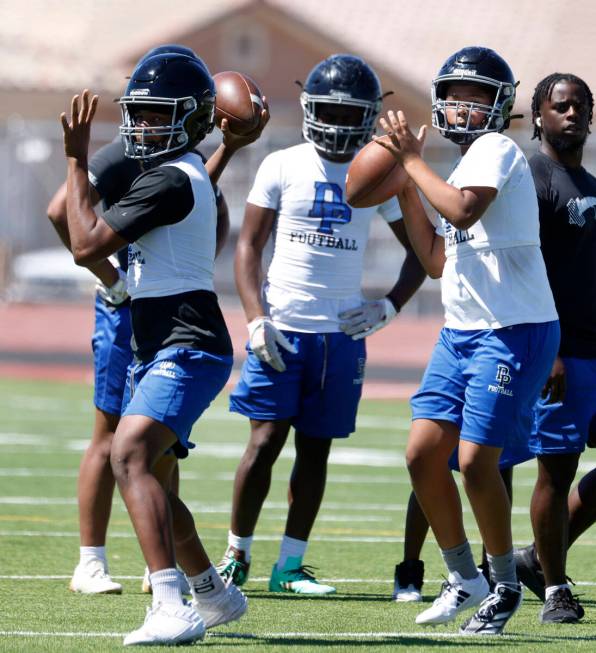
(567, 207)
(156, 198)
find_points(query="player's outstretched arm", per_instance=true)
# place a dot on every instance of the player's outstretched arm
(91, 239)
(231, 143)
(56, 211)
(461, 207)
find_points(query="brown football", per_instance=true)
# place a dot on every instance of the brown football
(373, 177)
(239, 100)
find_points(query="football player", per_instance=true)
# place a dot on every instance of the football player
(307, 318)
(501, 331)
(111, 174)
(562, 112)
(182, 349)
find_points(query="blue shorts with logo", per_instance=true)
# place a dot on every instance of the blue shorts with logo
(487, 381)
(175, 388)
(112, 354)
(319, 391)
(564, 427)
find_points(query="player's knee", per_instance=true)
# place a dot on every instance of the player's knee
(122, 460)
(103, 448)
(261, 453)
(313, 452)
(557, 475)
(416, 462)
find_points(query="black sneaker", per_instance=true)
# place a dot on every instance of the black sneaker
(495, 611)
(529, 571)
(561, 607)
(408, 581)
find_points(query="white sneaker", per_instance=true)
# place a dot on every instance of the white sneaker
(168, 624)
(225, 606)
(457, 594)
(93, 578)
(183, 582)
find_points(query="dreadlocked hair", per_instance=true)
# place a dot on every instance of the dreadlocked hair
(544, 89)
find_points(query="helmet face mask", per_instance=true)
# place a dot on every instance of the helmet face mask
(340, 81)
(173, 85)
(483, 68)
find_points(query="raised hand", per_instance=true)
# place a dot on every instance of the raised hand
(402, 143)
(77, 132)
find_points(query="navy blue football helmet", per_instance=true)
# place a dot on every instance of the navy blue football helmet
(345, 80)
(481, 66)
(172, 48)
(173, 84)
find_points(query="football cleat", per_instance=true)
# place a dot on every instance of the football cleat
(561, 607)
(233, 568)
(529, 570)
(93, 578)
(297, 578)
(457, 594)
(168, 624)
(225, 606)
(495, 611)
(408, 581)
(146, 584)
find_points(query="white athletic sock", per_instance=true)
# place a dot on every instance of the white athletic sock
(165, 586)
(241, 543)
(88, 553)
(551, 589)
(290, 548)
(206, 584)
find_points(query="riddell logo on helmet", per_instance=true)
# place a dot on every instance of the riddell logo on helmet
(336, 93)
(464, 71)
(140, 91)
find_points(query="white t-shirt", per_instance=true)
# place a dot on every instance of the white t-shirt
(319, 240)
(494, 274)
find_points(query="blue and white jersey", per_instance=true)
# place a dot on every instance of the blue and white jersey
(494, 274)
(319, 240)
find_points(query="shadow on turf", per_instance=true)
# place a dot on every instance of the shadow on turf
(518, 639)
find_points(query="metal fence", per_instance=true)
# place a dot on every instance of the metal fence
(32, 166)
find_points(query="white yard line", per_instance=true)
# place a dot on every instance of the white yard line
(423, 635)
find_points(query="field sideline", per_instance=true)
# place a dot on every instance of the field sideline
(355, 545)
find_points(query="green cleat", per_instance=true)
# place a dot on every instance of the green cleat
(233, 568)
(297, 578)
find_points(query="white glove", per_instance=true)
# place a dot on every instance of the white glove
(367, 318)
(264, 338)
(116, 294)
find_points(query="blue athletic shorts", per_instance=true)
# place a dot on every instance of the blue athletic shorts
(563, 427)
(487, 381)
(112, 354)
(175, 388)
(319, 391)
